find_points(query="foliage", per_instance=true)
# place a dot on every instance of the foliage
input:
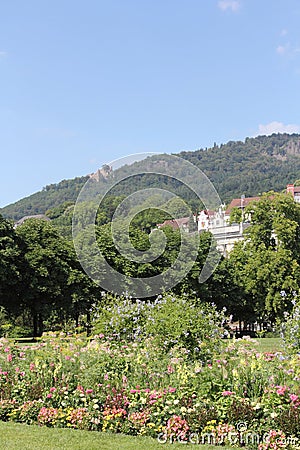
(267, 261)
(169, 321)
(137, 388)
(291, 328)
(40, 274)
(10, 267)
(254, 166)
(51, 196)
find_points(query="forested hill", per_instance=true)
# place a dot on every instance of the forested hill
(255, 166)
(252, 167)
(51, 196)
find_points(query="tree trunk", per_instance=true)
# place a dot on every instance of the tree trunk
(35, 324)
(76, 319)
(88, 323)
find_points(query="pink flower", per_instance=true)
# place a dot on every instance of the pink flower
(106, 377)
(52, 389)
(67, 357)
(31, 367)
(89, 391)
(227, 393)
(49, 395)
(281, 390)
(178, 426)
(171, 369)
(9, 357)
(80, 388)
(7, 349)
(294, 398)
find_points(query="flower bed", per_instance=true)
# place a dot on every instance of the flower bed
(238, 397)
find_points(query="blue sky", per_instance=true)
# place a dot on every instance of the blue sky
(86, 82)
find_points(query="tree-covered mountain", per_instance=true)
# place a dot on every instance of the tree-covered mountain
(251, 167)
(51, 196)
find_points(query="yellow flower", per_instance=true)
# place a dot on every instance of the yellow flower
(235, 373)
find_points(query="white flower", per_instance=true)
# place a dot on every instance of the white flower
(257, 406)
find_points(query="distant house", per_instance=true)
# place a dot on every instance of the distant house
(205, 219)
(182, 223)
(208, 219)
(228, 235)
(295, 191)
(35, 216)
(239, 203)
(217, 222)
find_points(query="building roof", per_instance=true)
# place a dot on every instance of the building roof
(240, 203)
(208, 212)
(175, 223)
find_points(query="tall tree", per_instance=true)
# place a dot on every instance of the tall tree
(10, 264)
(53, 277)
(267, 262)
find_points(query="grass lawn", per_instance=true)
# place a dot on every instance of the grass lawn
(15, 436)
(264, 344)
(269, 344)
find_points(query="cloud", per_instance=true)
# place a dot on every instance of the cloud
(2, 54)
(283, 32)
(277, 127)
(282, 49)
(234, 5)
(288, 51)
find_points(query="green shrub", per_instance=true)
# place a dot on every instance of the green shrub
(291, 330)
(170, 321)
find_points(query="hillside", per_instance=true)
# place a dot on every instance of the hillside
(51, 196)
(251, 167)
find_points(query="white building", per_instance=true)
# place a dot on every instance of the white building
(295, 191)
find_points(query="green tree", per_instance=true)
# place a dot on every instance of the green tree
(267, 262)
(10, 267)
(53, 279)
